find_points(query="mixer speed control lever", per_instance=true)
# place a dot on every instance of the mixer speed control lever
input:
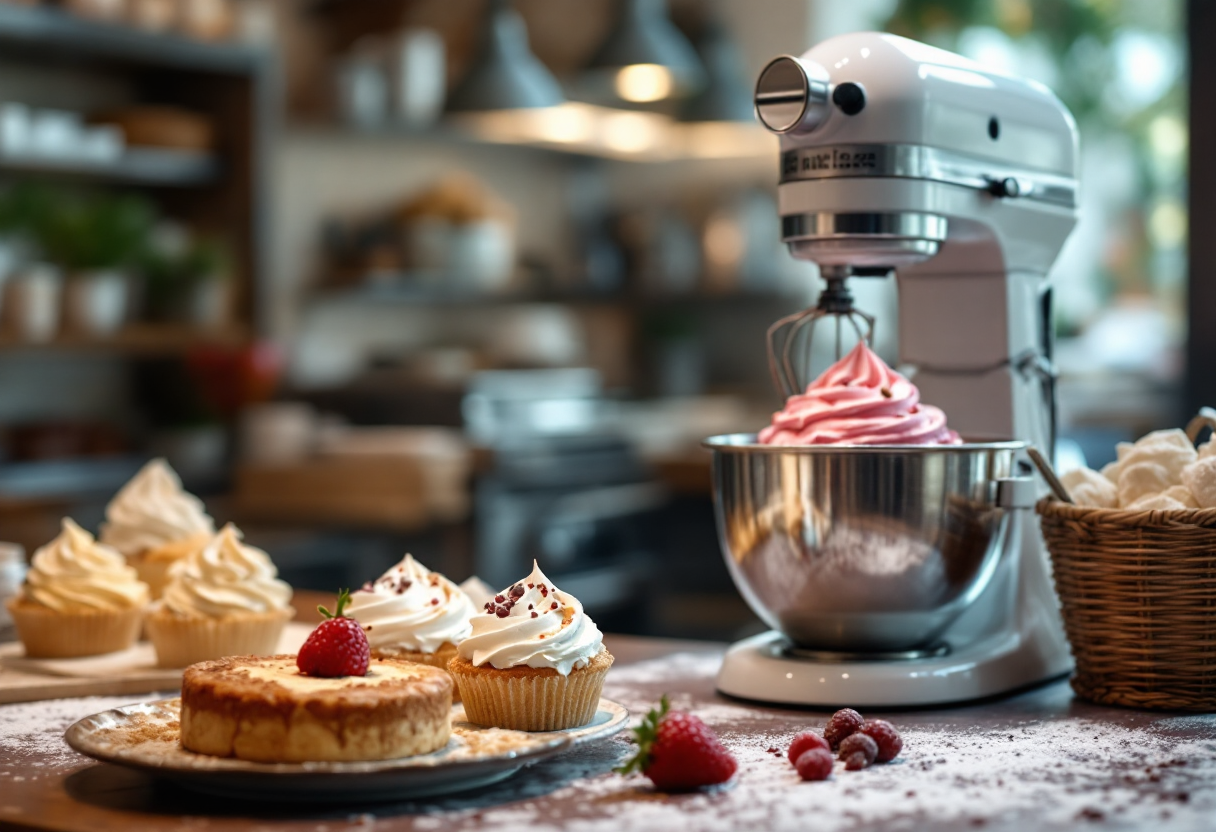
(1007, 187)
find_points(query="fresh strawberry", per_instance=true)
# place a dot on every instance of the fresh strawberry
(338, 647)
(678, 751)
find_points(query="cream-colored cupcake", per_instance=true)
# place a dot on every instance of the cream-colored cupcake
(154, 565)
(80, 598)
(224, 599)
(414, 614)
(534, 661)
(155, 523)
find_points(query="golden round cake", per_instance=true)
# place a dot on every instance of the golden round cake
(261, 708)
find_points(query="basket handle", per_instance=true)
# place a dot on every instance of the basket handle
(1049, 474)
(1206, 418)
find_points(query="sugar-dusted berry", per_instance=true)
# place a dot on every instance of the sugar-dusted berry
(844, 722)
(805, 742)
(886, 737)
(855, 745)
(815, 763)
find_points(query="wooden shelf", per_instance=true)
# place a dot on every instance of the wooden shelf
(138, 166)
(136, 339)
(663, 139)
(390, 293)
(51, 33)
(398, 294)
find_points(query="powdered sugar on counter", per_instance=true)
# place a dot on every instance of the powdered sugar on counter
(31, 733)
(1060, 771)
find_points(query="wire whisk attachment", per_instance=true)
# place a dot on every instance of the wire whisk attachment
(790, 339)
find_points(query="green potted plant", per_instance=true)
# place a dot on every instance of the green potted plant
(186, 278)
(30, 285)
(97, 240)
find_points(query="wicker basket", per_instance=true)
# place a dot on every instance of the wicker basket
(1138, 595)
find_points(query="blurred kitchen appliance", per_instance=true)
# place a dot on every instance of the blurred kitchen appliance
(908, 575)
(563, 488)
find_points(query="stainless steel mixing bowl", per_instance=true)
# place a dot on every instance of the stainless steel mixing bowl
(860, 549)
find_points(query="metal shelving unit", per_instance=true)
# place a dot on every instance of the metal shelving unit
(47, 31)
(232, 83)
(409, 290)
(136, 340)
(137, 166)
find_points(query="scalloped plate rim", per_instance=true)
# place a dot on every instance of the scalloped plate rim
(224, 775)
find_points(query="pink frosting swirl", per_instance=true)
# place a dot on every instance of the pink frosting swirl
(859, 400)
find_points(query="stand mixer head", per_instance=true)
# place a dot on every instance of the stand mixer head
(898, 158)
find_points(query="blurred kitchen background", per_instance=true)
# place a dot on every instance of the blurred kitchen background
(472, 278)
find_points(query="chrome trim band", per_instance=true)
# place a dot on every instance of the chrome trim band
(790, 651)
(901, 225)
(746, 443)
(912, 161)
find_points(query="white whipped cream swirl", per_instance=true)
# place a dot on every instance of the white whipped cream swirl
(152, 510)
(74, 572)
(533, 624)
(413, 608)
(225, 577)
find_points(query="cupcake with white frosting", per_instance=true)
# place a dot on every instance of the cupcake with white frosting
(155, 523)
(412, 613)
(80, 598)
(223, 599)
(534, 661)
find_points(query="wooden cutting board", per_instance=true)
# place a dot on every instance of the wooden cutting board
(129, 671)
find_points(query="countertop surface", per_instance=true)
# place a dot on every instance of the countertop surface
(1036, 760)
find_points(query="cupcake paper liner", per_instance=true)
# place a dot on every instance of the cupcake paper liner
(182, 640)
(50, 634)
(530, 699)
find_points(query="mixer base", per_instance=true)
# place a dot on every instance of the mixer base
(763, 668)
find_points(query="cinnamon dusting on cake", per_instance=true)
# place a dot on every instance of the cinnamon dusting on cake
(141, 728)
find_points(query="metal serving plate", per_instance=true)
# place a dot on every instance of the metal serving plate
(145, 737)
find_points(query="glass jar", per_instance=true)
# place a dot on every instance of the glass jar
(12, 575)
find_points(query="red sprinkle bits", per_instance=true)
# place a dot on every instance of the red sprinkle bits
(394, 583)
(502, 604)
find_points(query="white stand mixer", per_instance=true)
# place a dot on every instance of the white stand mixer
(896, 156)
